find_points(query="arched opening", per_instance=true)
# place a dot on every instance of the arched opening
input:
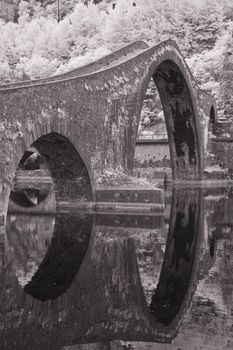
(212, 121)
(67, 168)
(25, 193)
(180, 119)
(50, 164)
(152, 155)
(171, 272)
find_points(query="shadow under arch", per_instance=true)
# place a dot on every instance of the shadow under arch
(63, 258)
(180, 111)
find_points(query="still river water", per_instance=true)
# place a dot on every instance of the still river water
(78, 281)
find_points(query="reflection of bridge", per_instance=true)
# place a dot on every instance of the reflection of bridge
(84, 123)
(105, 300)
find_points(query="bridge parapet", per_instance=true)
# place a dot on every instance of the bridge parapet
(101, 63)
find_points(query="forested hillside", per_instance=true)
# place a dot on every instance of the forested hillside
(40, 40)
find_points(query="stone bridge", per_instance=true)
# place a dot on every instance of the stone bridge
(84, 122)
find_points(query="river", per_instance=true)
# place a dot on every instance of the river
(120, 281)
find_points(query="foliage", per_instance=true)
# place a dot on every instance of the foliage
(38, 45)
(207, 66)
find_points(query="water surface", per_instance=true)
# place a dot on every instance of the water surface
(82, 281)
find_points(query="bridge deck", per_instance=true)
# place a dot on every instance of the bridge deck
(110, 60)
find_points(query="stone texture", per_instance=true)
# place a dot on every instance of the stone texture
(152, 154)
(95, 112)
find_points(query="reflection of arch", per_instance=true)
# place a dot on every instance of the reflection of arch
(65, 254)
(63, 259)
(179, 104)
(177, 278)
(113, 270)
(27, 237)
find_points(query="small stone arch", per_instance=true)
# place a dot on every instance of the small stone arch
(67, 168)
(175, 86)
(69, 172)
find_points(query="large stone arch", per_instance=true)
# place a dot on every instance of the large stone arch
(177, 90)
